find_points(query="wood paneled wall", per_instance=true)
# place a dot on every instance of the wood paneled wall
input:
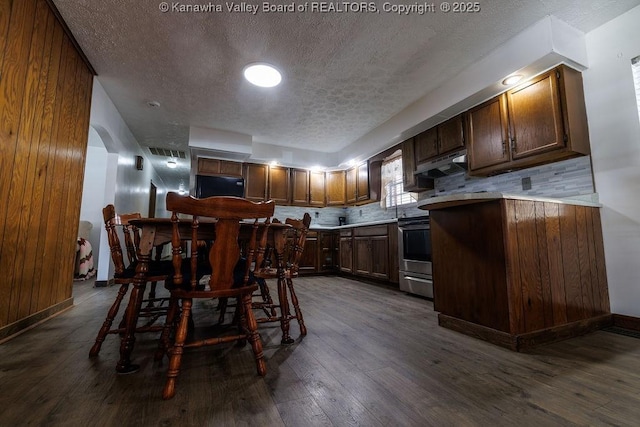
(519, 266)
(45, 97)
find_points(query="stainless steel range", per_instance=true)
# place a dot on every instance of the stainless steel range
(414, 251)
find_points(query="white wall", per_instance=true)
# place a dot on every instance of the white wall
(124, 186)
(614, 129)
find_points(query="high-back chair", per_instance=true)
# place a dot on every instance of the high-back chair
(224, 266)
(294, 248)
(124, 273)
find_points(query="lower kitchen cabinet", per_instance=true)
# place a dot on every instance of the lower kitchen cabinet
(346, 251)
(328, 251)
(309, 261)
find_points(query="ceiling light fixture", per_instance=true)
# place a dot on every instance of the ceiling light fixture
(511, 80)
(263, 75)
(172, 164)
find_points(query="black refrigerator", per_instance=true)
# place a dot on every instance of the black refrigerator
(207, 186)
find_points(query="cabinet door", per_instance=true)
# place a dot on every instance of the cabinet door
(317, 189)
(230, 168)
(352, 185)
(362, 191)
(336, 188)
(279, 184)
(361, 255)
(326, 252)
(309, 259)
(208, 166)
(299, 187)
(256, 182)
(346, 255)
(451, 135)
(535, 116)
(426, 145)
(409, 181)
(379, 247)
(487, 134)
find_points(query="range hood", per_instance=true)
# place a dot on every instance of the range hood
(450, 164)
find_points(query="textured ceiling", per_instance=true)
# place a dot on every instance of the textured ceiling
(344, 74)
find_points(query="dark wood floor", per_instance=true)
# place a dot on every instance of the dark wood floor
(373, 357)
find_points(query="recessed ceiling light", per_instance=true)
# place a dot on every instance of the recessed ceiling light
(171, 164)
(153, 104)
(263, 75)
(511, 80)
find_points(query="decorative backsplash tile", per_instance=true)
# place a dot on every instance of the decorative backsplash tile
(568, 178)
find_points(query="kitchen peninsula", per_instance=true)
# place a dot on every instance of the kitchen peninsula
(516, 270)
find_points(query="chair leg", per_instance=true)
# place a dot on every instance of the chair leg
(222, 306)
(175, 354)
(254, 337)
(163, 343)
(296, 307)
(106, 326)
(152, 294)
(266, 297)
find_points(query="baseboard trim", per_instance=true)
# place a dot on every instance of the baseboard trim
(102, 283)
(14, 329)
(529, 340)
(626, 322)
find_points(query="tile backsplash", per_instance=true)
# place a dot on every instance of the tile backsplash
(568, 178)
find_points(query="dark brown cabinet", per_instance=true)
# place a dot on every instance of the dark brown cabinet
(371, 251)
(309, 260)
(256, 178)
(328, 251)
(208, 166)
(279, 188)
(357, 183)
(336, 188)
(346, 251)
(540, 121)
(442, 139)
(411, 181)
(307, 188)
(317, 189)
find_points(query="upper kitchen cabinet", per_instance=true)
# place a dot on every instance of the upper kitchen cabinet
(488, 133)
(279, 188)
(541, 121)
(307, 188)
(218, 167)
(411, 181)
(336, 188)
(442, 139)
(357, 183)
(256, 179)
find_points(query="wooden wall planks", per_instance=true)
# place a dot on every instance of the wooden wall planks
(45, 95)
(519, 266)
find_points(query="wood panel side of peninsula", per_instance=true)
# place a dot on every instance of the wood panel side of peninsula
(517, 272)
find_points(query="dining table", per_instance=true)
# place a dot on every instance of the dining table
(156, 232)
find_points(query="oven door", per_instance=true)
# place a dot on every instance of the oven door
(414, 247)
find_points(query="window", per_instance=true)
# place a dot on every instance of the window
(393, 193)
(635, 68)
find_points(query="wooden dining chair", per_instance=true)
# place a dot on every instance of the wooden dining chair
(124, 273)
(224, 265)
(294, 248)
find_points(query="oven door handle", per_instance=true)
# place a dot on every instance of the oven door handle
(417, 279)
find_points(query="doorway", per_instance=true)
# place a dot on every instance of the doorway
(153, 193)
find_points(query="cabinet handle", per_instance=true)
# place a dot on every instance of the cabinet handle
(504, 147)
(513, 144)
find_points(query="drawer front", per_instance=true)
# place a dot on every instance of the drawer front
(345, 233)
(372, 230)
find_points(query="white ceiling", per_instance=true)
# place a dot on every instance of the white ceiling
(344, 74)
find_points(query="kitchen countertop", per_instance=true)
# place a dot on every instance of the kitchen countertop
(441, 202)
(319, 227)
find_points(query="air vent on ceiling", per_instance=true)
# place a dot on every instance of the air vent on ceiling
(167, 153)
